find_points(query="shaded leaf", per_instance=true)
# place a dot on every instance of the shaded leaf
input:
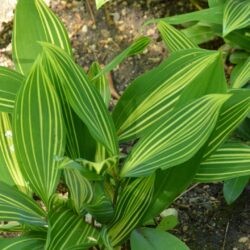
(16, 206)
(153, 239)
(233, 188)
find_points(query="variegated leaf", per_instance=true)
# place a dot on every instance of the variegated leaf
(131, 206)
(39, 132)
(80, 189)
(232, 113)
(67, 230)
(9, 164)
(174, 39)
(154, 95)
(82, 96)
(34, 241)
(176, 139)
(236, 15)
(10, 83)
(229, 161)
(16, 206)
(241, 74)
(34, 22)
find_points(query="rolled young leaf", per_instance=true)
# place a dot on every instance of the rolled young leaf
(10, 83)
(34, 22)
(16, 206)
(154, 94)
(82, 96)
(236, 15)
(176, 139)
(39, 137)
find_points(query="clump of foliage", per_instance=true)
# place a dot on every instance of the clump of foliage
(56, 130)
(229, 20)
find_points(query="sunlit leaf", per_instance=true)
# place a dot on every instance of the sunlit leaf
(174, 39)
(39, 132)
(154, 94)
(229, 161)
(82, 96)
(10, 83)
(236, 15)
(67, 230)
(176, 139)
(131, 206)
(34, 22)
(10, 169)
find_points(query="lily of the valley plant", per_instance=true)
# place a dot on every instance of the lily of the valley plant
(60, 146)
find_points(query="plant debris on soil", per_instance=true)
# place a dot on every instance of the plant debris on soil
(206, 221)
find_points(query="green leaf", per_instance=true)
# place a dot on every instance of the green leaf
(131, 206)
(176, 139)
(153, 239)
(39, 132)
(154, 94)
(100, 3)
(239, 38)
(229, 161)
(233, 188)
(34, 241)
(211, 15)
(169, 219)
(241, 74)
(236, 15)
(10, 82)
(101, 207)
(200, 33)
(136, 47)
(232, 113)
(80, 189)
(16, 206)
(174, 39)
(213, 3)
(82, 96)
(101, 83)
(10, 168)
(35, 22)
(67, 230)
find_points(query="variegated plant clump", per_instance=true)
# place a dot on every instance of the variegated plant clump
(57, 131)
